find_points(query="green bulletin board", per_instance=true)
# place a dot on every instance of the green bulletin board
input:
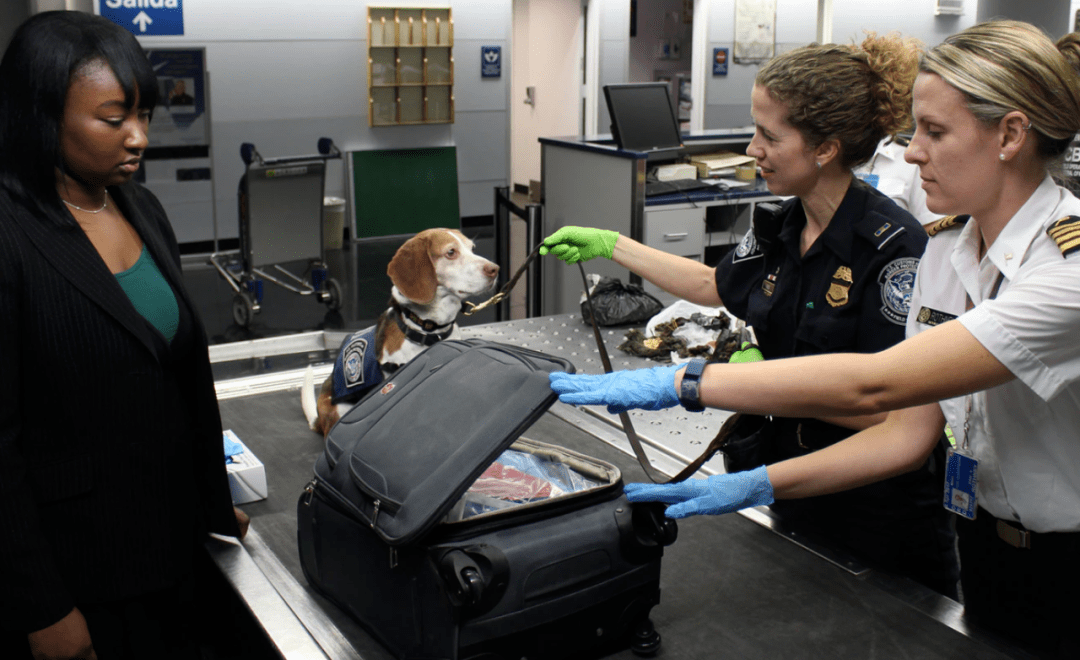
(404, 191)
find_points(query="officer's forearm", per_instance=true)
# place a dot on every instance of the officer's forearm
(939, 364)
(688, 279)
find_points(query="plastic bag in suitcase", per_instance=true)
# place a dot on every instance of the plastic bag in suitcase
(447, 535)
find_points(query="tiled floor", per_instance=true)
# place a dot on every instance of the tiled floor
(359, 267)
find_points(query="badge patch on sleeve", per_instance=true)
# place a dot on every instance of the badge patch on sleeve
(897, 281)
(747, 249)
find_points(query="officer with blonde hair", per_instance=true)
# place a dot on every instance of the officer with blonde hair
(991, 346)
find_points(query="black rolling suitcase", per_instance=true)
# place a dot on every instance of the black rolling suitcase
(447, 535)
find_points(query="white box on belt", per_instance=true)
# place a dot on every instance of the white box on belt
(247, 476)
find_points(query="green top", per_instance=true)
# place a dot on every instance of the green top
(151, 294)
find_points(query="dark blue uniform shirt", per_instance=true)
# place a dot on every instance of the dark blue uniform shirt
(850, 292)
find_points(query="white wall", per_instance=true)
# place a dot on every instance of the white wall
(728, 97)
(547, 57)
(285, 73)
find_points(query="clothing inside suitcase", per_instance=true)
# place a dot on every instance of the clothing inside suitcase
(530, 473)
(400, 528)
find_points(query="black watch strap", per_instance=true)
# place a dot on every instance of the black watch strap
(690, 390)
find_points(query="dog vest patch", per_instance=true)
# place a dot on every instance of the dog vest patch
(356, 369)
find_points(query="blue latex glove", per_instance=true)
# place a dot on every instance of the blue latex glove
(720, 493)
(648, 389)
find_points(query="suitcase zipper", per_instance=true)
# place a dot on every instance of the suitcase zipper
(316, 487)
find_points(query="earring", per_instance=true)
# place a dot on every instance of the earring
(1001, 156)
(819, 164)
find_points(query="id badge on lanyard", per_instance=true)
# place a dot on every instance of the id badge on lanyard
(961, 482)
(961, 468)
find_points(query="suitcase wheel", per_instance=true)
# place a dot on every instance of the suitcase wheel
(651, 522)
(645, 641)
(474, 585)
(475, 577)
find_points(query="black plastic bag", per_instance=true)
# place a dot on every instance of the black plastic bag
(620, 304)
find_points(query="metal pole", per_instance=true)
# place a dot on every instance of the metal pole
(534, 234)
(502, 246)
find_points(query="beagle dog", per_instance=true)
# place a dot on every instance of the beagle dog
(431, 274)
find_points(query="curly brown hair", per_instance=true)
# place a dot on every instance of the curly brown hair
(856, 95)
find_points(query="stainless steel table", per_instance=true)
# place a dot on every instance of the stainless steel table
(734, 586)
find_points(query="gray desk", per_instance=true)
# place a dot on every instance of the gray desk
(587, 181)
(732, 586)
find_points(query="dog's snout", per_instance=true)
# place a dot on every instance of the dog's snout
(490, 269)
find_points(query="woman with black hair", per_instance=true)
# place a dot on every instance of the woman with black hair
(111, 463)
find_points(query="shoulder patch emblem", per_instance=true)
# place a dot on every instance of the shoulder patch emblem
(356, 369)
(838, 288)
(353, 362)
(948, 222)
(897, 281)
(748, 248)
(1066, 233)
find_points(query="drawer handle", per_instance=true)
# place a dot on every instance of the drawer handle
(676, 237)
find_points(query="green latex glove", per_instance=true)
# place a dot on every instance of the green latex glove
(748, 353)
(574, 244)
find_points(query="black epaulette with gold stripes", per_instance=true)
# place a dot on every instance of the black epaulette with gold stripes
(1066, 233)
(948, 222)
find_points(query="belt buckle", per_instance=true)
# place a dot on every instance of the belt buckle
(1017, 538)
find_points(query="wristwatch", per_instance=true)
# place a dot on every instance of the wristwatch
(690, 390)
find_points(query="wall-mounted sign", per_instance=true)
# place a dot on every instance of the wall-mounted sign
(720, 60)
(490, 61)
(180, 116)
(145, 18)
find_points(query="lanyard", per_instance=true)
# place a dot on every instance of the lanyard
(970, 398)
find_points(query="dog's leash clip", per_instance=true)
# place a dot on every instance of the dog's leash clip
(494, 300)
(498, 297)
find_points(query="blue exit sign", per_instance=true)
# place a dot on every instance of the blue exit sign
(145, 18)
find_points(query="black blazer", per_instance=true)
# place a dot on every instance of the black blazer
(111, 460)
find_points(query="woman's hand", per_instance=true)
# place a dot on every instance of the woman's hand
(720, 493)
(67, 639)
(574, 244)
(243, 521)
(648, 389)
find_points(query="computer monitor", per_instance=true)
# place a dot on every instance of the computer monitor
(642, 118)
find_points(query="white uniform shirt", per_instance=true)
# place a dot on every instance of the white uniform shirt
(1025, 433)
(897, 179)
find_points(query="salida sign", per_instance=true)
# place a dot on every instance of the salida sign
(146, 17)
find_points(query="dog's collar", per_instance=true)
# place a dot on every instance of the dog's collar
(426, 324)
(430, 335)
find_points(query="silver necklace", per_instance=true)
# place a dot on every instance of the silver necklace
(104, 205)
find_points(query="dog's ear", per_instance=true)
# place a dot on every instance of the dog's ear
(412, 271)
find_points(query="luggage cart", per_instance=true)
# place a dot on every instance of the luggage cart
(280, 206)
